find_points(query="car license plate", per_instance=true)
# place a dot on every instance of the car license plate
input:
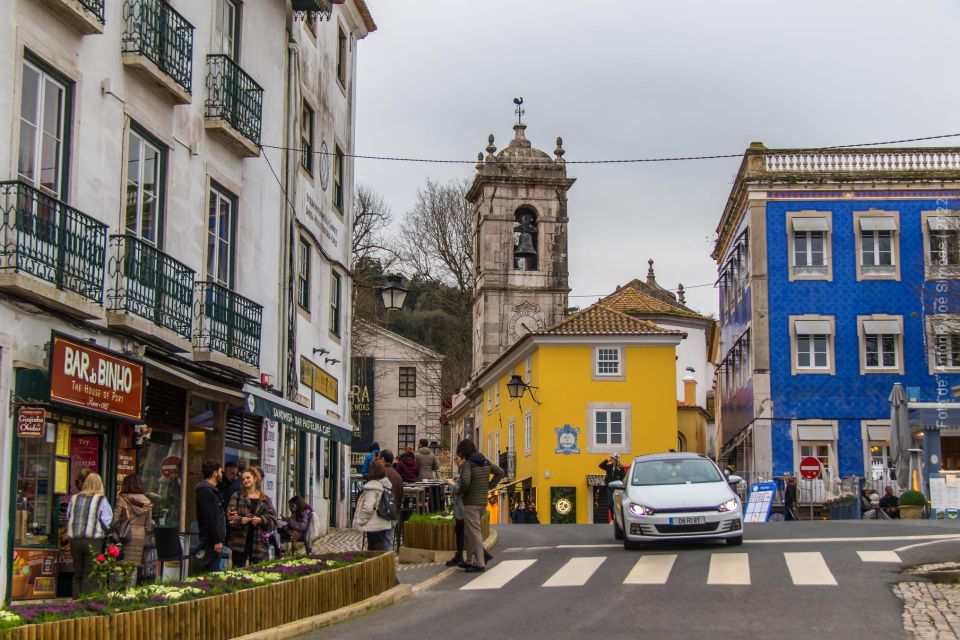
(689, 520)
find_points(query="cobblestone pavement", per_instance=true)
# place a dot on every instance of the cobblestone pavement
(930, 610)
(343, 540)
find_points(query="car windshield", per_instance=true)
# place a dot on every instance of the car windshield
(678, 471)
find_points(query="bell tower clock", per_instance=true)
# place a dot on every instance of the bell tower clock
(519, 244)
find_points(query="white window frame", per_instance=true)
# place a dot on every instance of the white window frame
(822, 271)
(136, 180)
(795, 339)
(511, 435)
(488, 395)
(943, 333)
(527, 433)
(528, 369)
(812, 352)
(626, 425)
(45, 83)
(496, 446)
(304, 252)
(608, 350)
(496, 393)
(214, 254)
(866, 338)
(940, 221)
(226, 28)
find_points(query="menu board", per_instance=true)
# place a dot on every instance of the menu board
(34, 574)
(945, 493)
(759, 502)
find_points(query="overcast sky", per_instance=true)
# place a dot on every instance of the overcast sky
(637, 79)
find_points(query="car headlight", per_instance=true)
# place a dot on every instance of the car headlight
(640, 510)
(729, 505)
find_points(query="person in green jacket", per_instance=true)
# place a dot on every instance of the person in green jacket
(477, 476)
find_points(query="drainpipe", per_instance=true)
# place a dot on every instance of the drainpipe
(286, 316)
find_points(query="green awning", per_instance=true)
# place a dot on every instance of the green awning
(290, 414)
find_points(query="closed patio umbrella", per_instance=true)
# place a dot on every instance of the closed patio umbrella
(900, 437)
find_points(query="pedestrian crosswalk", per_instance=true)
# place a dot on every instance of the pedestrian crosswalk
(806, 568)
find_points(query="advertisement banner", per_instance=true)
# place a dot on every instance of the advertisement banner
(30, 422)
(96, 379)
(34, 574)
(268, 458)
(361, 403)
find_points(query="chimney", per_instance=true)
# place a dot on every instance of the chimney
(690, 387)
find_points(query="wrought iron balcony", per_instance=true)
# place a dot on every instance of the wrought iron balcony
(508, 462)
(51, 240)
(155, 31)
(234, 98)
(149, 283)
(227, 323)
(86, 16)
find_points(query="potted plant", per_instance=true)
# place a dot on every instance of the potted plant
(912, 504)
(843, 506)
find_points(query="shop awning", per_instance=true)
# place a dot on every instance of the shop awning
(267, 405)
(881, 327)
(813, 327)
(880, 223)
(934, 416)
(505, 485)
(810, 224)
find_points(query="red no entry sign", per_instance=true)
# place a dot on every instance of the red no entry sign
(810, 468)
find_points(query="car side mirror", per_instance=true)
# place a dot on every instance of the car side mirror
(732, 479)
(616, 484)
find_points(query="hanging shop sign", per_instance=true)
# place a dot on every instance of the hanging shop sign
(319, 380)
(289, 414)
(89, 377)
(361, 403)
(30, 422)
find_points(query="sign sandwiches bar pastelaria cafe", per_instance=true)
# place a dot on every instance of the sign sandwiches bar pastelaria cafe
(89, 377)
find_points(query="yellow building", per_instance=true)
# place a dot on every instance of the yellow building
(597, 383)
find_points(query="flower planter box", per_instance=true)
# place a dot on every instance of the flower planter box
(229, 615)
(847, 510)
(437, 537)
(911, 512)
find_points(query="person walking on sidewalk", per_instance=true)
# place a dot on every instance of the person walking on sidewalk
(211, 523)
(141, 548)
(477, 476)
(366, 518)
(790, 498)
(88, 520)
(251, 515)
(427, 462)
(458, 532)
(396, 485)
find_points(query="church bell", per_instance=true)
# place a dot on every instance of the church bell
(524, 248)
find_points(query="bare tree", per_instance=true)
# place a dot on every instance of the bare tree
(371, 219)
(436, 236)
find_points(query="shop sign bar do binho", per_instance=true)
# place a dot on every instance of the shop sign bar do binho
(89, 377)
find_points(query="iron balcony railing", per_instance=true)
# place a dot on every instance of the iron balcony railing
(95, 7)
(234, 96)
(147, 282)
(51, 240)
(155, 30)
(227, 322)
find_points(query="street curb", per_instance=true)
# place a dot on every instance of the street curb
(300, 627)
(429, 583)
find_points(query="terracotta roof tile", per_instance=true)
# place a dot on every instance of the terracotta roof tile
(634, 302)
(601, 320)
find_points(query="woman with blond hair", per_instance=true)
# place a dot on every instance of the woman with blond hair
(88, 520)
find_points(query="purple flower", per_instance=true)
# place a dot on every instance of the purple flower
(159, 597)
(97, 606)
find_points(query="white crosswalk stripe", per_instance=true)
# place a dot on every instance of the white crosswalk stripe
(651, 569)
(725, 568)
(575, 573)
(879, 556)
(729, 568)
(809, 568)
(498, 575)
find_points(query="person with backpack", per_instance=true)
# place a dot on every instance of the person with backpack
(371, 515)
(396, 485)
(133, 516)
(88, 519)
(477, 476)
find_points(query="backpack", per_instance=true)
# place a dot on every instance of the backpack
(387, 508)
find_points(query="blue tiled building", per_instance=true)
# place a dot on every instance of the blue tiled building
(839, 275)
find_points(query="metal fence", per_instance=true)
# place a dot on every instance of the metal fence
(815, 492)
(156, 31)
(234, 96)
(227, 322)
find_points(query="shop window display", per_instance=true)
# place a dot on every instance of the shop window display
(159, 462)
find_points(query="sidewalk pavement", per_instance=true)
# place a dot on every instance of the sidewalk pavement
(344, 540)
(930, 609)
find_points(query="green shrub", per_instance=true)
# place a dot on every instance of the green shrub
(912, 498)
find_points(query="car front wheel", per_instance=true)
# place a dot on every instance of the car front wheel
(735, 542)
(617, 531)
(630, 545)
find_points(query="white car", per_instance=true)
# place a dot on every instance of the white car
(671, 496)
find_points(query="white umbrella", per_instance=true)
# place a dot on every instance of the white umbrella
(901, 440)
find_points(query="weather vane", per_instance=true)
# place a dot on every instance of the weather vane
(519, 110)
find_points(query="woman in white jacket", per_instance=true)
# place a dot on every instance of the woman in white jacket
(366, 517)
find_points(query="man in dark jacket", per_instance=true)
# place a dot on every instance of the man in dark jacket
(614, 471)
(396, 484)
(229, 482)
(477, 476)
(211, 523)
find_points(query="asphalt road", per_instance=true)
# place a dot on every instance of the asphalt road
(788, 580)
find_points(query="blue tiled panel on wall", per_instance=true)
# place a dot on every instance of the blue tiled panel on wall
(782, 448)
(849, 396)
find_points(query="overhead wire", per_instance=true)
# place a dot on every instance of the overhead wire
(606, 161)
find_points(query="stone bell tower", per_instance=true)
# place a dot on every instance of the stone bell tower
(519, 244)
